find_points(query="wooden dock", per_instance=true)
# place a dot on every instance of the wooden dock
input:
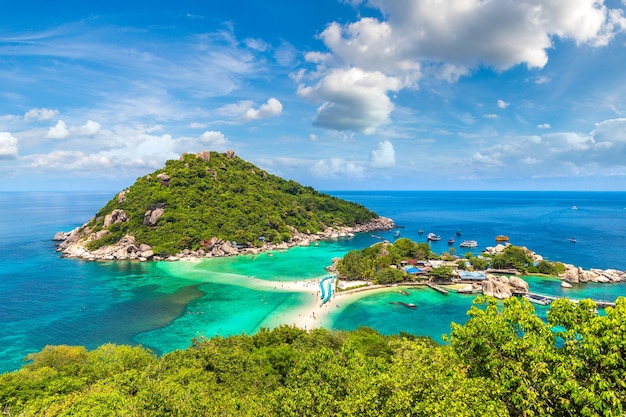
(550, 298)
(437, 288)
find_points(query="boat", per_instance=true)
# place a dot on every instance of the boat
(458, 233)
(502, 238)
(396, 234)
(538, 299)
(421, 231)
(572, 239)
(451, 241)
(469, 244)
(407, 305)
(574, 208)
(432, 236)
(403, 292)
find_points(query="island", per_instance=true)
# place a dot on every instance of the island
(212, 204)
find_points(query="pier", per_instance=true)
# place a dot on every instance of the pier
(437, 288)
(538, 299)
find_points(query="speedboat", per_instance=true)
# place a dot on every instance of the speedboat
(502, 238)
(421, 231)
(469, 244)
(432, 236)
(572, 239)
(451, 241)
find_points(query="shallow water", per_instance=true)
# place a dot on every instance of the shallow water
(50, 300)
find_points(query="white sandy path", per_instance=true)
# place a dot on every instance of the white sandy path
(318, 315)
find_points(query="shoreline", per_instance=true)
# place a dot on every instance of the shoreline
(73, 244)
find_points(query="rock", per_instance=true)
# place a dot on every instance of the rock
(230, 154)
(566, 284)
(518, 284)
(59, 236)
(116, 216)
(164, 178)
(151, 216)
(121, 197)
(144, 248)
(204, 155)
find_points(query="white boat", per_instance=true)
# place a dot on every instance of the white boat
(432, 236)
(469, 244)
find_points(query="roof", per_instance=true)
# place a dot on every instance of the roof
(472, 276)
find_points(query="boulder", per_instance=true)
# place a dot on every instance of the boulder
(518, 284)
(164, 179)
(116, 216)
(152, 216)
(566, 284)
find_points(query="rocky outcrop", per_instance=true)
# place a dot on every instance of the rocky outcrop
(164, 178)
(574, 275)
(501, 287)
(497, 286)
(73, 244)
(116, 216)
(153, 215)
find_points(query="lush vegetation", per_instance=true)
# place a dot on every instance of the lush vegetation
(380, 262)
(503, 361)
(224, 197)
(375, 262)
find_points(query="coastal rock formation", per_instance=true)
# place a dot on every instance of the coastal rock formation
(574, 275)
(496, 286)
(73, 244)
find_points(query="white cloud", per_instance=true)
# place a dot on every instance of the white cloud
(88, 129)
(272, 107)
(335, 167)
(59, 131)
(503, 104)
(490, 116)
(352, 99)
(8, 146)
(256, 44)
(40, 114)
(496, 33)
(213, 138)
(62, 131)
(384, 156)
(544, 126)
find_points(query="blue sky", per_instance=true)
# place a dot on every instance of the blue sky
(352, 94)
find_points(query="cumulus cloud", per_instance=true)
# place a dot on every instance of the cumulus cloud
(544, 126)
(40, 114)
(502, 104)
(213, 139)
(352, 99)
(599, 151)
(272, 107)
(444, 39)
(384, 156)
(335, 167)
(59, 131)
(62, 131)
(88, 129)
(8, 146)
(496, 33)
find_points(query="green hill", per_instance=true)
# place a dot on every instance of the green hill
(192, 201)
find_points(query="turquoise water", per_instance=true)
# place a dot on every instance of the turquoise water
(50, 300)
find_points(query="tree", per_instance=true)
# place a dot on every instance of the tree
(441, 272)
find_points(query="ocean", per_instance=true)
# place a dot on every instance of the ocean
(46, 299)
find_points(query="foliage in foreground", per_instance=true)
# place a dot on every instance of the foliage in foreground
(224, 197)
(503, 361)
